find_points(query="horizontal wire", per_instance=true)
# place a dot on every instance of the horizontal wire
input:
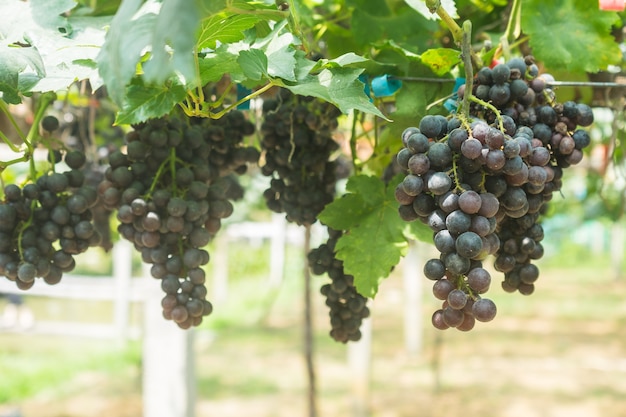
(551, 83)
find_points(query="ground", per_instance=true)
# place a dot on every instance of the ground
(558, 353)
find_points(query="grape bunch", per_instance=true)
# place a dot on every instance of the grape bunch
(482, 183)
(347, 308)
(171, 189)
(46, 222)
(297, 144)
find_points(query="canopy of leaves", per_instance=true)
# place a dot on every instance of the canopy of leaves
(572, 34)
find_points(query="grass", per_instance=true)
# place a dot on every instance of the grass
(33, 364)
(559, 352)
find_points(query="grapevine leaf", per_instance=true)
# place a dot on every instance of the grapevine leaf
(215, 64)
(441, 60)
(127, 37)
(375, 239)
(405, 26)
(253, 62)
(225, 28)
(149, 101)
(173, 41)
(62, 49)
(339, 86)
(572, 34)
(13, 61)
(368, 256)
(47, 13)
(281, 57)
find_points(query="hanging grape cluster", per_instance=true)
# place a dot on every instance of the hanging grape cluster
(47, 221)
(481, 184)
(171, 190)
(347, 308)
(297, 144)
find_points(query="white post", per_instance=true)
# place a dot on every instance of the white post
(219, 260)
(122, 273)
(168, 357)
(413, 281)
(277, 249)
(617, 248)
(359, 358)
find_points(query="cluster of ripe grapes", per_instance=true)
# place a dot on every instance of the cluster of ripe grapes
(347, 308)
(297, 143)
(46, 221)
(481, 184)
(171, 189)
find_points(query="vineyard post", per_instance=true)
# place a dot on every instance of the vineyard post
(168, 361)
(359, 361)
(413, 278)
(122, 273)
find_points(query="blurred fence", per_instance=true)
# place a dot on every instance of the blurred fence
(168, 356)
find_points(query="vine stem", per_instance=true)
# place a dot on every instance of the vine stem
(512, 29)
(5, 110)
(466, 53)
(353, 138)
(308, 327)
(250, 96)
(435, 7)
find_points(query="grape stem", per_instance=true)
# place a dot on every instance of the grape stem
(490, 107)
(24, 226)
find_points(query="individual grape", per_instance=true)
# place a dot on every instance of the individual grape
(452, 317)
(457, 299)
(479, 280)
(468, 244)
(434, 269)
(484, 310)
(50, 123)
(441, 288)
(500, 74)
(438, 320)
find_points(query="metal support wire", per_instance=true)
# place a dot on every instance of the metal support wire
(551, 84)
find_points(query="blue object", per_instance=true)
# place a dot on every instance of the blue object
(241, 93)
(451, 104)
(385, 85)
(364, 78)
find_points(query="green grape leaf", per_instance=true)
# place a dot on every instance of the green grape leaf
(375, 238)
(55, 50)
(225, 28)
(215, 64)
(349, 58)
(13, 62)
(281, 57)
(47, 13)
(339, 86)
(149, 101)
(441, 60)
(127, 37)
(253, 63)
(173, 40)
(572, 34)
